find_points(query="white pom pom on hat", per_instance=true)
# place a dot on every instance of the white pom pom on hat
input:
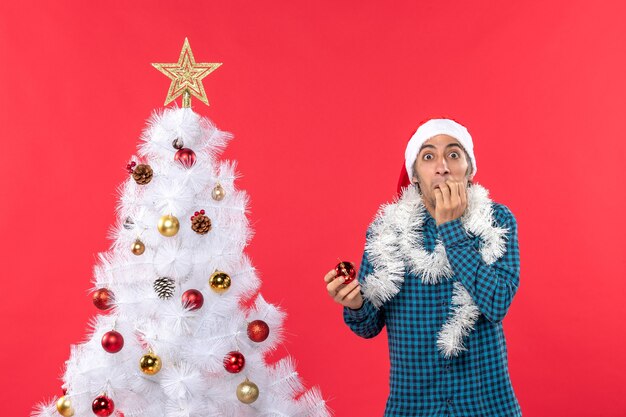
(434, 127)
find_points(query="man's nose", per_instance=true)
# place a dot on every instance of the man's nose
(442, 167)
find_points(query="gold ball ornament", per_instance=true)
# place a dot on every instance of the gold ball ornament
(247, 392)
(218, 192)
(64, 407)
(150, 364)
(168, 225)
(219, 281)
(138, 247)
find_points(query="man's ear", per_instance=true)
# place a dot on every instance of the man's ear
(414, 180)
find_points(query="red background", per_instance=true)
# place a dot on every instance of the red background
(322, 98)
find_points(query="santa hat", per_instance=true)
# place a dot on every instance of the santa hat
(427, 130)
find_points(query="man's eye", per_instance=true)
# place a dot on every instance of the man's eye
(454, 153)
(427, 155)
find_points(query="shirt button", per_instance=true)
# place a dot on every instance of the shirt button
(449, 400)
(447, 367)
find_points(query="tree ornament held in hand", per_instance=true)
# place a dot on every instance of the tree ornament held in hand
(200, 223)
(186, 157)
(219, 281)
(150, 364)
(346, 269)
(247, 392)
(64, 407)
(193, 299)
(103, 299)
(112, 341)
(168, 225)
(138, 247)
(234, 362)
(258, 331)
(103, 406)
(164, 287)
(143, 174)
(218, 192)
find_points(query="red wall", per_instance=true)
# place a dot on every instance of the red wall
(322, 97)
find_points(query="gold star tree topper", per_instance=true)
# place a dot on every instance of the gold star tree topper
(186, 76)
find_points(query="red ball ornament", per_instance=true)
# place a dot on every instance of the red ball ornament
(185, 156)
(258, 330)
(103, 406)
(193, 299)
(234, 362)
(346, 269)
(112, 341)
(103, 299)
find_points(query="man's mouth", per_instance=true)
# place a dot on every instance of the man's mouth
(438, 184)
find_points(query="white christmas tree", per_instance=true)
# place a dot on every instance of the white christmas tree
(178, 338)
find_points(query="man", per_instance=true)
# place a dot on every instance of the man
(440, 270)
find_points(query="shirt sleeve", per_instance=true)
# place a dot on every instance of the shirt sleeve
(492, 287)
(366, 321)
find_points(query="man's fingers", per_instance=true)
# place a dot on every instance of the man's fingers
(438, 197)
(454, 192)
(350, 290)
(445, 193)
(463, 195)
(345, 291)
(438, 200)
(333, 286)
(352, 294)
(331, 275)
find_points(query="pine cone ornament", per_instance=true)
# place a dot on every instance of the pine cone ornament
(143, 174)
(164, 287)
(200, 223)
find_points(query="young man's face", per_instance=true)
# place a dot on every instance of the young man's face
(441, 158)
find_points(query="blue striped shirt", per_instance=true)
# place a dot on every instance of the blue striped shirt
(421, 381)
